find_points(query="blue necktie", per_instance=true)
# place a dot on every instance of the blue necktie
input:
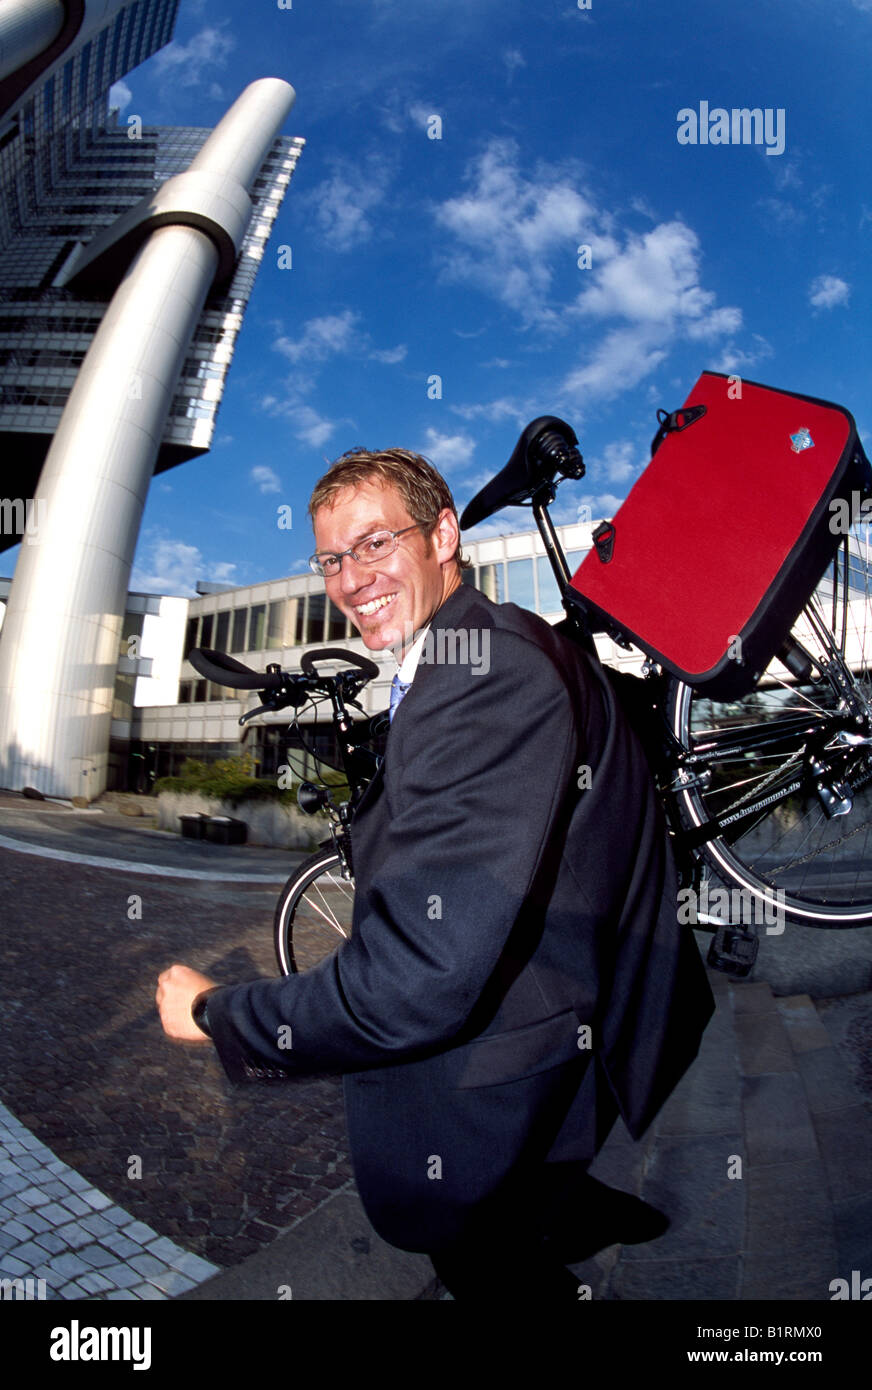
(398, 690)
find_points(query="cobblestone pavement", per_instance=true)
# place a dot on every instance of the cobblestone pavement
(85, 1066)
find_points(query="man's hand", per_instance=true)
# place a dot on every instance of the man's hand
(177, 988)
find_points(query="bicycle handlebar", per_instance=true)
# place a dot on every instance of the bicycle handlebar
(307, 660)
(226, 670)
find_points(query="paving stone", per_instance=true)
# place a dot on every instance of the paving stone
(68, 1264)
(15, 1183)
(73, 1290)
(173, 1283)
(803, 1024)
(76, 1181)
(14, 1205)
(94, 1283)
(788, 1208)
(845, 1138)
(687, 1179)
(34, 1197)
(76, 1205)
(34, 1222)
(763, 1044)
(121, 1246)
(147, 1264)
(116, 1216)
(97, 1225)
(29, 1252)
(164, 1249)
(710, 1280)
(55, 1214)
(139, 1232)
(853, 1224)
(74, 1235)
(96, 1256)
(12, 1267)
(118, 1294)
(97, 1200)
(51, 1241)
(777, 1121)
(773, 1278)
(193, 1266)
(751, 997)
(827, 1083)
(149, 1291)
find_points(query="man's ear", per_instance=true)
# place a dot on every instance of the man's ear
(446, 535)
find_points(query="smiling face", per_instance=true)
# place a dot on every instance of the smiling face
(390, 601)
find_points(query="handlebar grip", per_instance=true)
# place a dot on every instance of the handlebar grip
(226, 670)
(307, 660)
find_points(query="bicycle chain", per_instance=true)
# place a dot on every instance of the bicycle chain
(832, 844)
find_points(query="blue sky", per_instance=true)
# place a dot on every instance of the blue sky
(458, 256)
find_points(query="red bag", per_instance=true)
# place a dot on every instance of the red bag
(723, 538)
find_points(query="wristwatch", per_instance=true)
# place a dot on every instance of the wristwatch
(199, 1010)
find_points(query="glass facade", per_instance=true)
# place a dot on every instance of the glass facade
(67, 170)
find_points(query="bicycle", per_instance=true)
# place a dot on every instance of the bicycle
(314, 910)
(750, 787)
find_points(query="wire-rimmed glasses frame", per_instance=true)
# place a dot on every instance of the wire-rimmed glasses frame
(328, 565)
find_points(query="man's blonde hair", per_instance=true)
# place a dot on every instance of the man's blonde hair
(425, 492)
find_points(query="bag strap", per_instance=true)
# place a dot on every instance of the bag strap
(675, 422)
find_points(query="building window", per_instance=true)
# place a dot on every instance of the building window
(315, 618)
(276, 627)
(222, 630)
(257, 630)
(186, 689)
(191, 635)
(199, 692)
(300, 622)
(240, 620)
(549, 594)
(492, 582)
(335, 623)
(521, 587)
(206, 630)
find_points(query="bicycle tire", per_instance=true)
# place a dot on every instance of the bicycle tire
(313, 914)
(822, 866)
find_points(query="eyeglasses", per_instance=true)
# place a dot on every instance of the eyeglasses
(367, 552)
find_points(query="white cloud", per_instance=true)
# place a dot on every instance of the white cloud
(740, 360)
(508, 226)
(173, 567)
(191, 62)
(120, 95)
(514, 233)
(493, 411)
(655, 279)
(309, 426)
(447, 451)
(390, 355)
(321, 338)
(342, 204)
(619, 461)
(266, 478)
(826, 291)
(513, 59)
(623, 359)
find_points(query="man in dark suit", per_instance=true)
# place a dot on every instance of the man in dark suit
(516, 975)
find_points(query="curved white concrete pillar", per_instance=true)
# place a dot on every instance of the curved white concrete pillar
(60, 642)
(27, 27)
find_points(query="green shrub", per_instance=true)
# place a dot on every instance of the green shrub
(231, 780)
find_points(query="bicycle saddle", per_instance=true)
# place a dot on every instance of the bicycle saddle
(546, 447)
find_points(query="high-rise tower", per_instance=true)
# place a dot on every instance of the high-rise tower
(127, 256)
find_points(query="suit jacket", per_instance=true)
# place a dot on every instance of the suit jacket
(516, 951)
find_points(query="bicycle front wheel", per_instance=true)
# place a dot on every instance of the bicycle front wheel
(807, 854)
(313, 916)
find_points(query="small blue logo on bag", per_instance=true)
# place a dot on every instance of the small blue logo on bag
(801, 440)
